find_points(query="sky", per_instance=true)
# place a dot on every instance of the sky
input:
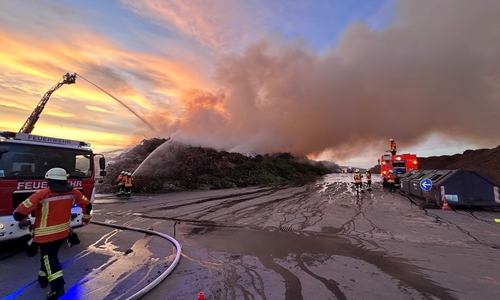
(330, 79)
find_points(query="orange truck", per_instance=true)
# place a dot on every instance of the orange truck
(399, 163)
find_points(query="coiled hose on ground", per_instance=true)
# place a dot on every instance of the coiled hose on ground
(160, 278)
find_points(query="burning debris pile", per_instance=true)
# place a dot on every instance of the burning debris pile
(162, 166)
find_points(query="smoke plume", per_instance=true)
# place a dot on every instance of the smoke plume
(435, 70)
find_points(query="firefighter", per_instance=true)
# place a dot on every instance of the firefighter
(357, 181)
(52, 207)
(393, 146)
(368, 180)
(120, 183)
(128, 183)
(391, 181)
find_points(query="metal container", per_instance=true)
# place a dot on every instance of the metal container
(458, 187)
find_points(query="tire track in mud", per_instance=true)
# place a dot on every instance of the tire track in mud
(290, 204)
(330, 284)
(361, 205)
(468, 213)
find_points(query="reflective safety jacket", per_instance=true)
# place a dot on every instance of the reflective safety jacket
(129, 181)
(357, 177)
(120, 179)
(391, 178)
(53, 212)
(368, 176)
(393, 146)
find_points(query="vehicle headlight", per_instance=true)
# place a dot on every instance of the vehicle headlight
(1, 226)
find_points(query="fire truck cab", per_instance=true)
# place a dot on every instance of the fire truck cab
(399, 163)
(24, 160)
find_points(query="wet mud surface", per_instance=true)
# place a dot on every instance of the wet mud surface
(318, 241)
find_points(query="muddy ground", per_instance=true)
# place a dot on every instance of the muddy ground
(313, 241)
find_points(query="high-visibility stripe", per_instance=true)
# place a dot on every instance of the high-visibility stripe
(51, 229)
(45, 214)
(47, 264)
(56, 275)
(57, 198)
(42, 273)
(27, 203)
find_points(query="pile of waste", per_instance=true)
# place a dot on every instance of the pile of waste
(161, 165)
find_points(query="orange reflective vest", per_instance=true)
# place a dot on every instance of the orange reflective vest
(129, 181)
(53, 213)
(368, 176)
(357, 177)
(393, 146)
(391, 178)
(120, 179)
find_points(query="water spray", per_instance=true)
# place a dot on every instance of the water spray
(131, 110)
(150, 155)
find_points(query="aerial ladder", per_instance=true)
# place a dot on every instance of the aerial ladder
(29, 125)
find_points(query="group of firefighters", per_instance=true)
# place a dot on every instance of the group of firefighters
(358, 182)
(125, 181)
(391, 177)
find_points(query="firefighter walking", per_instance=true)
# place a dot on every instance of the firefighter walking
(368, 180)
(128, 182)
(391, 181)
(52, 207)
(120, 182)
(358, 184)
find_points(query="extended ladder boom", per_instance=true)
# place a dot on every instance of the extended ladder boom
(29, 125)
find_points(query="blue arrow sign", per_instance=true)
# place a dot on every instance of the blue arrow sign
(426, 184)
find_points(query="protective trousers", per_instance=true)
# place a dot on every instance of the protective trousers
(127, 191)
(120, 190)
(50, 264)
(369, 185)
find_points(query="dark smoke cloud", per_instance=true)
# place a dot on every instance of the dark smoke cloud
(436, 70)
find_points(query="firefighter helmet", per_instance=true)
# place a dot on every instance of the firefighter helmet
(391, 171)
(56, 174)
(123, 173)
(129, 174)
(391, 140)
(357, 171)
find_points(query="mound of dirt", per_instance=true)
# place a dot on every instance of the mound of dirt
(484, 161)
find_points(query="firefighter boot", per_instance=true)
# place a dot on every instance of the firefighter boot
(73, 239)
(54, 295)
(43, 281)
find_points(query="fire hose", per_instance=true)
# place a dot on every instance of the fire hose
(160, 278)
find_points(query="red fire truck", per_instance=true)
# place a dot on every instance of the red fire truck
(24, 160)
(399, 163)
